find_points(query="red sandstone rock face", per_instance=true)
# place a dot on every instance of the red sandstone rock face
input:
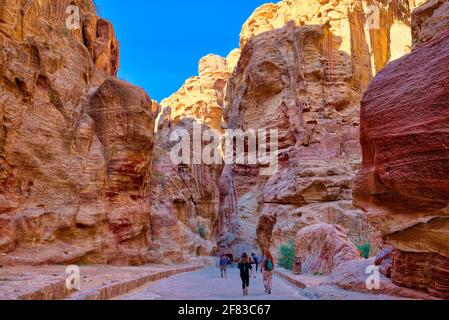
(303, 68)
(324, 247)
(429, 20)
(75, 150)
(404, 182)
(304, 90)
(38, 20)
(184, 199)
(264, 231)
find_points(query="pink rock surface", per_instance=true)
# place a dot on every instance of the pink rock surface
(324, 247)
(404, 183)
(184, 199)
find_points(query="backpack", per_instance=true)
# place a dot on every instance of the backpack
(269, 265)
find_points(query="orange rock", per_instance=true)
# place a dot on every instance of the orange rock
(370, 46)
(303, 68)
(75, 149)
(265, 230)
(201, 97)
(312, 103)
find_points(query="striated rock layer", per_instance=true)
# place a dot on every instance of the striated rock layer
(404, 183)
(323, 247)
(304, 79)
(75, 143)
(202, 97)
(184, 199)
(429, 19)
(372, 32)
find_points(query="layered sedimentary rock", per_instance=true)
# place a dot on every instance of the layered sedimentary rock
(429, 19)
(202, 97)
(371, 32)
(293, 90)
(403, 185)
(323, 247)
(75, 145)
(305, 79)
(22, 20)
(353, 276)
(264, 231)
(184, 197)
(313, 102)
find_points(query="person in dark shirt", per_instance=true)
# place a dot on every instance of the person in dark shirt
(245, 268)
(256, 262)
(224, 262)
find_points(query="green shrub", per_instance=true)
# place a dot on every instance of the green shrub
(287, 255)
(202, 230)
(365, 250)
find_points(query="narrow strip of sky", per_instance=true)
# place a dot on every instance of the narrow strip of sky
(161, 41)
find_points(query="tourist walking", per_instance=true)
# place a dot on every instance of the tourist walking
(256, 263)
(245, 268)
(267, 271)
(224, 262)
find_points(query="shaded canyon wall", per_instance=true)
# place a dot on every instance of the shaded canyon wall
(404, 182)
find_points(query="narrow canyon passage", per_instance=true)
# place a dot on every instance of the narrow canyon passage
(207, 284)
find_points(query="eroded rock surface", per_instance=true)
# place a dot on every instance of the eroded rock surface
(184, 198)
(202, 97)
(295, 80)
(323, 247)
(403, 185)
(429, 19)
(75, 143)
(371, 39)
(353, 276)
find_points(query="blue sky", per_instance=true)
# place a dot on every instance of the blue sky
(161, 41)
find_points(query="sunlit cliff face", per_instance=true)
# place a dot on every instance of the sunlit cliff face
(297, 81)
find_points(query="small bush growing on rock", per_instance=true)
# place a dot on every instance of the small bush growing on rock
(202, 230)
(287, 255)
(365, 250)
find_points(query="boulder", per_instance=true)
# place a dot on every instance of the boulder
(323, 247)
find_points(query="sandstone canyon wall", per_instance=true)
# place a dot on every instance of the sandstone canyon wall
(404, 182)
(184, 198)
(202, 97)
(303, 68)
(75, 143)
(84, 177)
